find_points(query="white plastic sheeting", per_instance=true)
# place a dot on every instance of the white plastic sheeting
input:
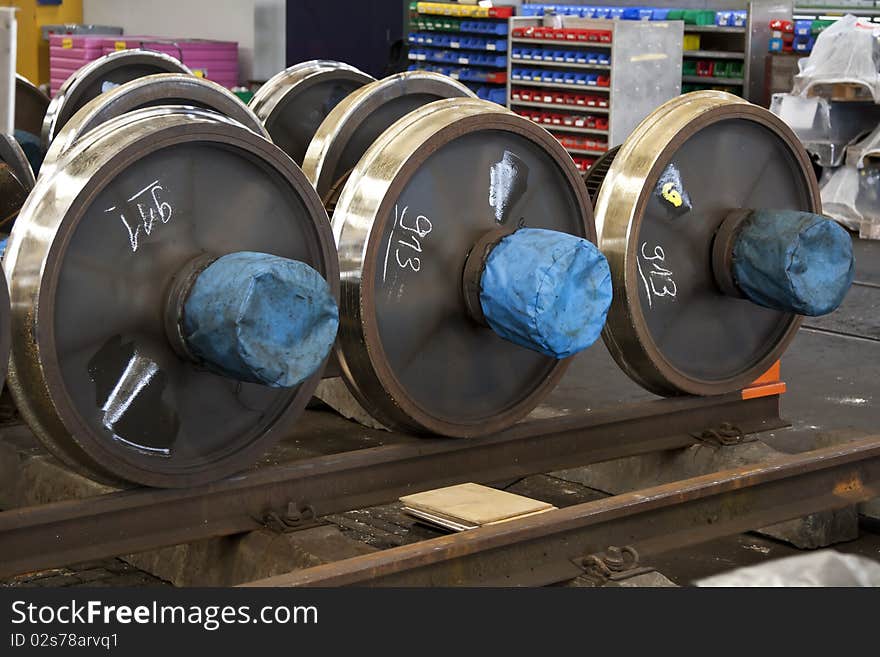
(843, 137)
(861, 154)
(824, 568)
(846, 52)
(851, 193)
(839, 195)
(826, 128)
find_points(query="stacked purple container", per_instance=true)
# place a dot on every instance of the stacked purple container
(69, 52)
(215, 60)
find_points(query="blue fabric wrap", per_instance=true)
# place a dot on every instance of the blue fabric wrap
(546, 290)
(32, 147)
(260, 318)
(792, 261)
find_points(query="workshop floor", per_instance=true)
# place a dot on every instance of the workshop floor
(831, 374)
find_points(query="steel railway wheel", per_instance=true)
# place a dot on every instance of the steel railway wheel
(162, 89)
(5, 333)
(358, 121)
(101, 75)
(671, 206)
(30, 109)
(103, 269)
(293, 103)
(12, 155)
(16, 182)
(416, 213)
(31, 105)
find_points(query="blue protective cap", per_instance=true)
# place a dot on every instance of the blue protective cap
(792, 261)
(546, 290)
(260, 318)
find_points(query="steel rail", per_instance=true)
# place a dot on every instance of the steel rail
(125, 522)
(555, 546)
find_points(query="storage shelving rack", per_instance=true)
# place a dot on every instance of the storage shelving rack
(732, 42)
(466, 42)
(720, 47)
(589, 82)
(746, 43)
(723, 51)
(717, 57)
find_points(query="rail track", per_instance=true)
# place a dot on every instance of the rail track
(139, 519)
(541, 550)
(561, 545)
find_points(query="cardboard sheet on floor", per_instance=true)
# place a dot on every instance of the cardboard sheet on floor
(467, 506)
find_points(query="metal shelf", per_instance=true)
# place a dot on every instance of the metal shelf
(456, 76)
(568, 128)
(541, 62)
(473, 73)
(449, 46)
(715, 54)
(560, 42)
(583, 151)
(715, 28)
(489, 47)
(458, 62)
(559, 85)
(837, 12)
(627, 43)
(699, 79)
(567, 108)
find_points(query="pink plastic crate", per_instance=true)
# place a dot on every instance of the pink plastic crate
(214, 60)
(85, 54)
(71, 64)
(72, 41)
(179, 46)
(217, 60)
(69, 52)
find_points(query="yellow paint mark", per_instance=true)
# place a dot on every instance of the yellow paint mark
(671, 194)
(120, 45)
(67, 43)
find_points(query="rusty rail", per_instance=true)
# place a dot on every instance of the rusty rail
(556, 546)
(131, 521)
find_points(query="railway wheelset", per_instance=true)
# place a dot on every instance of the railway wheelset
(178, 283)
